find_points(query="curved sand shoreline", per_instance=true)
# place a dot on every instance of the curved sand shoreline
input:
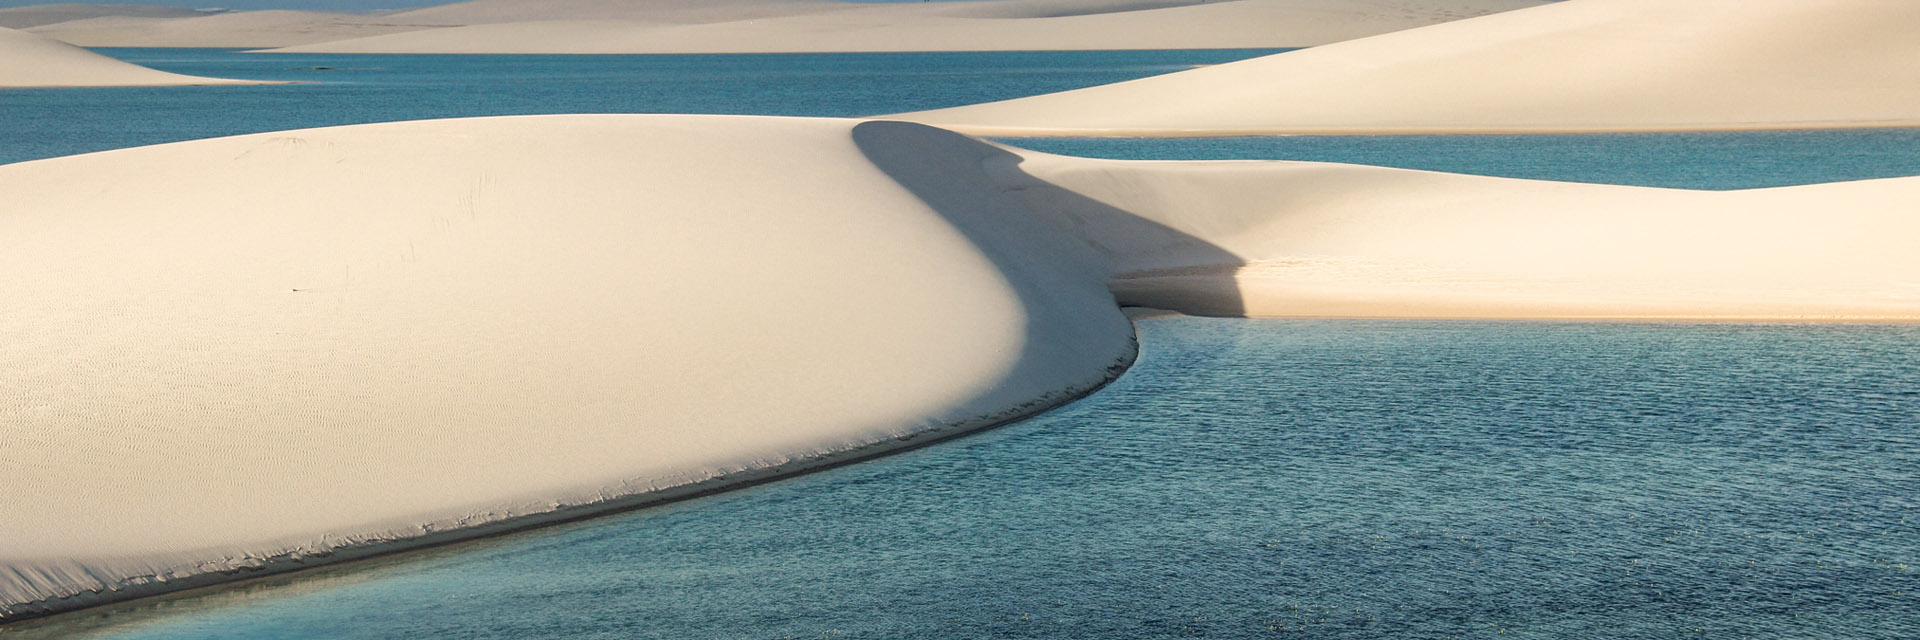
(261, 353)
(142, 587)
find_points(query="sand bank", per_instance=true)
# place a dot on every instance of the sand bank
(1580, 65)
(261, 353)
(44, 14)
(27, 60)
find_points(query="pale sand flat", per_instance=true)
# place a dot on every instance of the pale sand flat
(255, 354)
(240, 29)
(30, 61)
(44, 14)
(675, 11)
(1580, 65)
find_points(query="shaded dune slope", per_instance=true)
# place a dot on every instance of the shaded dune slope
(1308, 239)
(1580, 65)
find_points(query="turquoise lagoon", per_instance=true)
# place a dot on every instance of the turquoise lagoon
(340, 90)
(1246, 479)
(1258, 479)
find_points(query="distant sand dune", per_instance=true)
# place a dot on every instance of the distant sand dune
(727, 26)
(1580, 65)
(37, 15)
(27, 60)
(951, 26)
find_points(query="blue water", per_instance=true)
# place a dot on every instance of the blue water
(1263, 478)
(1703, 160)
(356, 89)
(1245, 479)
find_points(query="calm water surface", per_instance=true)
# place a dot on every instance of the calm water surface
(1256, 479)
(356, 89)
(1247, 479)
(1702, 160)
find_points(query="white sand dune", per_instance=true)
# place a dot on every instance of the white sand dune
(962, 26)
(241, 29)
(255, 354)
(1580, 65)
(44, 14)
(264, 352)
(27, 60)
